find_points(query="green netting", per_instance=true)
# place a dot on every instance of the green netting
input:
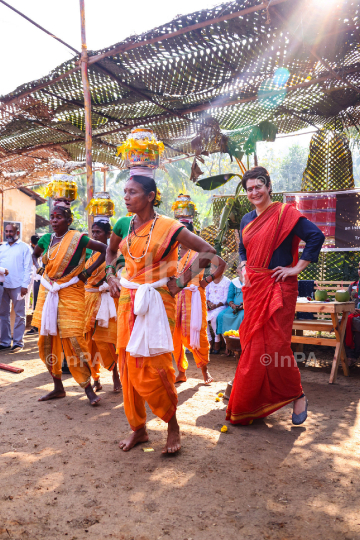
(333, 266)
(329, 165)
(217, 65)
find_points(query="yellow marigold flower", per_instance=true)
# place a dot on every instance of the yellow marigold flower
(224, 429)
(220, 394)
(217, 399)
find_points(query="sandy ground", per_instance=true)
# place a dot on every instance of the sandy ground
(62, 474)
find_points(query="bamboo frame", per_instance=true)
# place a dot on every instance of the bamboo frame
(87, 105)
(136, 45)
(197, 108)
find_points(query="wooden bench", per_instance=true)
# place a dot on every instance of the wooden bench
(336, 310)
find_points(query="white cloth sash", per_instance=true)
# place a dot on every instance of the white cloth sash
(196, 316)
(151, 334)
(107, 309)
(50, 309)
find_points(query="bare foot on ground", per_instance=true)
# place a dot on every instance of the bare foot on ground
(207, 377)
(116, 380)
(173, 443)
(299, 405)
(55, 394)
(93, 398)
(181, 377)
(137, 437)
(97, 386)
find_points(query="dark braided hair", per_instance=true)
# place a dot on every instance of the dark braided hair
(148, 184)
(65, 211)
(104, 226)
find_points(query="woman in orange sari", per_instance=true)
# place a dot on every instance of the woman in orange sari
(267, 376)
(191, 316)
(100, 335)
(59, 312)
(146, 314)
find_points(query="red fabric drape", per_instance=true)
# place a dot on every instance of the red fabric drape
(267, 376)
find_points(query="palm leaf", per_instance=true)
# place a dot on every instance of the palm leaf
(213, 182)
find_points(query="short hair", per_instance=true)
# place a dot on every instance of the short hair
(13, 225)
(34, 239)
(256, 173)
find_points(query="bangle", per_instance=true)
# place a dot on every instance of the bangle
(109, 276)
(84, 274)
(206, 279)
(212, 277)
(110, 266)
(178, 284)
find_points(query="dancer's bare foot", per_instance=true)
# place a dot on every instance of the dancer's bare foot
(116, 379)
(57, 393)
(207, 377)
(97, 385)
(93, 398)
(181, 377)
(137, 437)
(173, 443)
(299, 405)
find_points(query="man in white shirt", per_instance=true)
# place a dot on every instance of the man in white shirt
(15, 256)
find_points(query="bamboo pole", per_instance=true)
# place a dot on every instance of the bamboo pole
(87, 105)
(2, 217)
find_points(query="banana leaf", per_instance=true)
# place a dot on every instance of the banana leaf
(213, 182)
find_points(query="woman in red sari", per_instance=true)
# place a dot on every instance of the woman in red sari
(267, 376)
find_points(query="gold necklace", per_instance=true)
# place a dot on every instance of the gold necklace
(51, 239)
(184, 267)
(147, 243)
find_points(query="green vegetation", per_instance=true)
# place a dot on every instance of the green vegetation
(286, 168)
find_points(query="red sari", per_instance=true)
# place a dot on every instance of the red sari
(267, 376)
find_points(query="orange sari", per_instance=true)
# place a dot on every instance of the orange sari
(267, 376)
(150, 379)
(101, 341)
(181, 335)
(69, 339)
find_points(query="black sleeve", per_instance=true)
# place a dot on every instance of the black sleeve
(313, 238)
(242, 250)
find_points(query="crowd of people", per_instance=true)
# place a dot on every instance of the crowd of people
(152, 290)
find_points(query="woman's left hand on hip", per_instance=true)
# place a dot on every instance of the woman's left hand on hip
(173, 288)
(282, 272)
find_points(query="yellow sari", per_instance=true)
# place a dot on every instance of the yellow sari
(70, 337)
(181, 335)
(150, 379)
(101, 341)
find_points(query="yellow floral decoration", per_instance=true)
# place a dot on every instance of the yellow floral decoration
(232, 333)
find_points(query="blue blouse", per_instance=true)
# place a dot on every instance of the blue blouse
(304, 229)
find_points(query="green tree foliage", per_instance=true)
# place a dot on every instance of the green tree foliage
(286, 169)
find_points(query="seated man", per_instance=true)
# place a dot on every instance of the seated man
(352, 336)
(216, 297)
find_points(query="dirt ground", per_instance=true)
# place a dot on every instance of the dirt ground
(62, 475)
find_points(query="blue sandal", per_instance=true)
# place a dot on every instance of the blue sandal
(298, 419)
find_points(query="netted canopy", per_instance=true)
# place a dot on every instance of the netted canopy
(293, 62)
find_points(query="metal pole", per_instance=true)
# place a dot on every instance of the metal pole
(104, 171)
(87, 104)
(2, 218)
